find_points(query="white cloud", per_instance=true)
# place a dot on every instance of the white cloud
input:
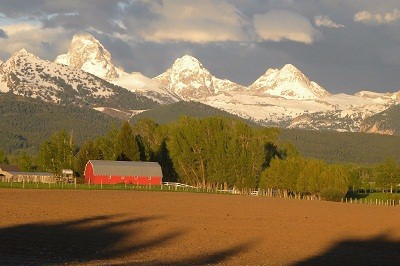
(278, 24)
(384, 18)
(326, 21)
(31, 37)
(195, 21)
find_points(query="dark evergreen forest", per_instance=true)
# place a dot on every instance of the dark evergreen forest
(343, 147)
(25, 122)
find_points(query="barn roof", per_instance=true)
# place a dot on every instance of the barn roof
(123, 168)
(8, 168)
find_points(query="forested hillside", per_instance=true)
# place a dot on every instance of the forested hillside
(25, 122)
(343, 147)
(387, 121)
(171, 112)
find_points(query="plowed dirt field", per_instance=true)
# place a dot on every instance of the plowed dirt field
(53, 227)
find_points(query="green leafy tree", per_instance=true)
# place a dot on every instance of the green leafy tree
(334, 182)
(3, 157)
(388, 174)
(216, 151)
(148, 138)
(57, 153)
(300, 176)
(26, 162)
(187, 152)
(355, 181)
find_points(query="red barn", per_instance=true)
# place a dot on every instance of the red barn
(114, 172)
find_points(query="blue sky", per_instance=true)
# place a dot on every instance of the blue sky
(345, 46)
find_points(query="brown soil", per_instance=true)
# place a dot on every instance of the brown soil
(53, 227)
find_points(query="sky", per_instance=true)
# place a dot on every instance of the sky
(345, 46)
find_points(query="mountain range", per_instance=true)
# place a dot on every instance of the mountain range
(286, 97)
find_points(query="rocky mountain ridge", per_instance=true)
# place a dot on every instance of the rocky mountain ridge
(290, 83)
(27, 75)
(87, 53)
(283, 97)
(190, 80)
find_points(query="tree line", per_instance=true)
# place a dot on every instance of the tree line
(343, 147)
(214, 152)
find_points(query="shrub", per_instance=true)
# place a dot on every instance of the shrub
(332, 194)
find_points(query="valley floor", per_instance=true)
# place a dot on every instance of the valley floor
(166, 228)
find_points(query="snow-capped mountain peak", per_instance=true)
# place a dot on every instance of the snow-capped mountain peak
(187, 62)
(23, 52)
(290, 83)
(187, 78)
(190, 80)
(87, 53)
(289, 68)
(280, 97)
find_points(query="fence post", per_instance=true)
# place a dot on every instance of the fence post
(75, 182)
(101, 184)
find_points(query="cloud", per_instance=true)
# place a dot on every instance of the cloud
(195, 22)
(377, 19)
(326, 21)
(279, 24)
(20, 36)
(3, 34)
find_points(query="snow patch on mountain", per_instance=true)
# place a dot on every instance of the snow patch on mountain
(378, 95)
(138, 83)
(348, 110)
(3, 85)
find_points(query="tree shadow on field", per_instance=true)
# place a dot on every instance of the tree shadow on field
(378, 250)
(92, 240)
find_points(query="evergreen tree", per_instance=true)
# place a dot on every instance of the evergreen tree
(107, 144)
(126, 147)
(88, 151)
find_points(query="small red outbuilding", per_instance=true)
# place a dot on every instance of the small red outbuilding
(115, 172)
